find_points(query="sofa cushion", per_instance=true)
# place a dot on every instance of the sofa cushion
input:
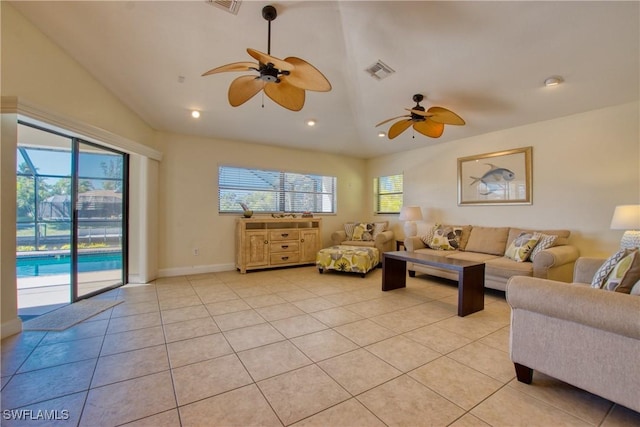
(369, 243)
(521, 247)
(601, 273)
(470, 256)
(446, 238)
(546, 241)
(625, 274)
(505, 268)
(434, 252)
(489, 240)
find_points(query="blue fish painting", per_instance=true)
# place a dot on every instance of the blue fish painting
(495, 175)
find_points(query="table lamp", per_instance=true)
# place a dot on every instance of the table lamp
(410, 214)
(627, 217)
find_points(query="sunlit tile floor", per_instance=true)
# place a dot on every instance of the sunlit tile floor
(286, 347)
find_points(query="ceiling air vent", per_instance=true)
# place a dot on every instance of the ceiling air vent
(228, 5)
(380, 70)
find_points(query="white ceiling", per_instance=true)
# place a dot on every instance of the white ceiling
(484, 60)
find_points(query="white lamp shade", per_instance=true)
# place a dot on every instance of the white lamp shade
(410, 213)
(626, 217)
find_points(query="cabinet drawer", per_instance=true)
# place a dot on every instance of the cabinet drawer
(285, 258)
(284, 235)
(285, 246)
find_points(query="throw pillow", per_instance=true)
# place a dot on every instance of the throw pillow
(363, 231)
(428, 236)
(624, 275)
(636, 288)
(446, 238)
(348, 228)
(546, 241)
(521, 247)
(378, 227)
(601, 273)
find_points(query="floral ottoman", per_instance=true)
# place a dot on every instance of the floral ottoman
(354, 259)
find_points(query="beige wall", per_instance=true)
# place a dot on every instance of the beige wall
(583, 166)
(188, 198)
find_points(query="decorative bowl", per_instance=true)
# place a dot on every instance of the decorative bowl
(248, 214)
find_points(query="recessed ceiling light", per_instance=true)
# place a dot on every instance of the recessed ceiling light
(311, 122)
(195, 114)
(553, 81)
(381, 134)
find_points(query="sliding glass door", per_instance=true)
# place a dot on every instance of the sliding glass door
(71, 221)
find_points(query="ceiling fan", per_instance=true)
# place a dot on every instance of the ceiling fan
(284, 81)
(429, 123)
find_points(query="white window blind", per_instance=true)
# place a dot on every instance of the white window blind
(388, 193)
(275, 191)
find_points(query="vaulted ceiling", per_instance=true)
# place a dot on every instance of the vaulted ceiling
(484, 60)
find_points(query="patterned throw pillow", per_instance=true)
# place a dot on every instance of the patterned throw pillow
(363, 231)
(378, 227)
(546, 241)
(521, 247)
(348, 229)
(605, 269)
(446, 238)
(624, 275)
(428, 236)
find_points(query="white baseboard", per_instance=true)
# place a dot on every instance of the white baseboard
(196, 269)
(11, 327)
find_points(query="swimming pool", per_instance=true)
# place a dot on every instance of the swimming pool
(54, 264)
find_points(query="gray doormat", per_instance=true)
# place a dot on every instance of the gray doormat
(69, 315)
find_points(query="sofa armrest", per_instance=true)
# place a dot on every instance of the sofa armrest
(553, 258)
(606, 310)
(384, 237)
(338, 237)
(412, 243)
(586, 268)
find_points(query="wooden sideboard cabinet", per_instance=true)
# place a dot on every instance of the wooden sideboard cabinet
(276, 242)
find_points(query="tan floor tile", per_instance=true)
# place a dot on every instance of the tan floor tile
(298, 325)
(373, 307)
(336, 316)
(252, 336)
(77, 332)
(349, 413)
(621, 416)
(313, 304)
(132, 340)
(264, 300)
(365, 332)
(184, 313)
(48, 355)
(488, 360)
(133, 308)
(65, 409)
(190, 329)
(179, 301)
(347, 298)
(408, 319)
(132, 364)
(460, 384)
(403, 353)
(438, 339)
(498, 339)
(251, 291)
(239, 319)
(471, 326)
(573, 400)
(280, 311)
(211, 296)
(197, 349)
(137, 321)
(208, 378)
(510, 407)
(131, 398)
(323, 344)
(469, 420)
(296, 295)
(242, 407)
(163, 419)
(298, 394)
(404, 401)
(273, 359)
(225, 307)
(359, 370)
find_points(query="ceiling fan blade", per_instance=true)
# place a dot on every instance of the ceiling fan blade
(448, 117)
(398, 127)
(429, 128)
(286, 95)
(265, 59)
(420, 112)
(392, 118)
(235, 66)
(243, 89)
(306, 76)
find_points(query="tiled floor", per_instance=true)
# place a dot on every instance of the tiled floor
(286, 347)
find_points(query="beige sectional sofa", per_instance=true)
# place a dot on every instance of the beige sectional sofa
(488, 245)
(587, 337)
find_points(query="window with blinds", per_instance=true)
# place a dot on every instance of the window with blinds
(387, 194)
(274, 191)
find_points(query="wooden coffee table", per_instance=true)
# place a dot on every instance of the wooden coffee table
(470, 276)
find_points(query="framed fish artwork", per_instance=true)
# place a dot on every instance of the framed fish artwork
(500, 178)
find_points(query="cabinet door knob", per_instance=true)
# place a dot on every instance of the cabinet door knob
(266, 242)
(302, 240)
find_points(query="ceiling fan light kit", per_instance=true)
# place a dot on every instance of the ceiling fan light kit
(283, 80)
(427, 122)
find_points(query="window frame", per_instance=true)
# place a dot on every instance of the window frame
(378, 195)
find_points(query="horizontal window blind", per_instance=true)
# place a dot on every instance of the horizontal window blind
(388, 193)
(274, 191)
